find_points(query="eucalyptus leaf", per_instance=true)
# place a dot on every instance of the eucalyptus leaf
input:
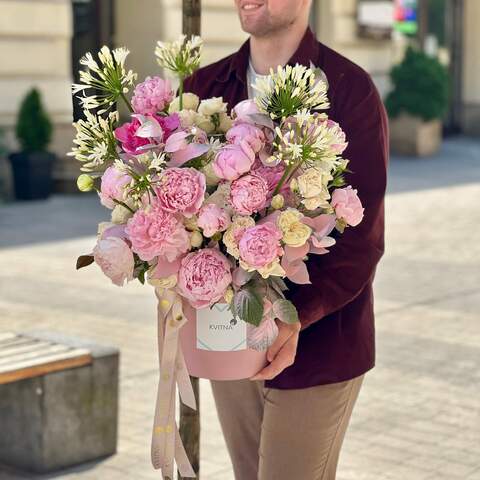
(248, 306)
(285, 311)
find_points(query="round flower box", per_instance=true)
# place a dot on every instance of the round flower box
(233, 363)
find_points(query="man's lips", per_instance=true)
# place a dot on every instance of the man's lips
(250, 6)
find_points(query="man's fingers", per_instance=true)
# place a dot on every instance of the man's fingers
(284, 359)
(283, 335)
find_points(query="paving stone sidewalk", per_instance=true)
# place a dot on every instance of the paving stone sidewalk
(418, 415)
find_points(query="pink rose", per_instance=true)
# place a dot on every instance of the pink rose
(115, 258)
(152, 95)
(181, 190)
(347, 205)
(232, 161)
(245, 132)
(248, 194)
(260, 245)
(204, 277)
(155, 232)
(113, 186)
(213, 219)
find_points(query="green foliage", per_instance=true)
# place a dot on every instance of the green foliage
(420, 87)
(285, 311)
(34, 128)
(248, 306)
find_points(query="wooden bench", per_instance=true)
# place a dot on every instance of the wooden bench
(58, 400)
(24, 357)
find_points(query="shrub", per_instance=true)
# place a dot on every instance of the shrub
(34, 128)
(420, 87)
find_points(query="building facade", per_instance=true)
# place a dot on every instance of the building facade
(41, 42)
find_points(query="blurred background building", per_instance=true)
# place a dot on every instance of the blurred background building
(41, 42)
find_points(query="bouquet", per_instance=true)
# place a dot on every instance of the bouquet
(211, 206)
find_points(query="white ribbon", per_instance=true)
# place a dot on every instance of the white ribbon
(167, 446)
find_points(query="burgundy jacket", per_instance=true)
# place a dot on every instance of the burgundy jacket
(337, 339)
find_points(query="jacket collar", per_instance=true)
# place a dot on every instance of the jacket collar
(306, 53)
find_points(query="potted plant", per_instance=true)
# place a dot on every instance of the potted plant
(32, 166)
(417, 103)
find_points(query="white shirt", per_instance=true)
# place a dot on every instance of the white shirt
(252, 77)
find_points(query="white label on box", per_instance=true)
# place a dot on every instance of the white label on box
(218, 331)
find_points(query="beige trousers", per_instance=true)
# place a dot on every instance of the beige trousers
(274, 434)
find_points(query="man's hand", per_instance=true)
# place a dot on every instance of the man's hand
(281, 353)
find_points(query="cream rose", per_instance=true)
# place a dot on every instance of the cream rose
(232, 235)
(190, 102)
(295, 233)
(187, 118)
(312, 186)
(213, 105)
(225, 122)
(204, 122)
(120, 214)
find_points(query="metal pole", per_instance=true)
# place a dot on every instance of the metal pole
(190, 419)
(422, 23)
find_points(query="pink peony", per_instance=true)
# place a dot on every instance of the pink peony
(152, 96)
(272, 176)
(181, 190)
(213, 219)
(248, 194)
(115, 258)
(127, 136)
(245, 132)
(347, 205)
(113, 186)
(155, 232)
(244, 109)
(260, 245)
(204, 277)
(232, 161)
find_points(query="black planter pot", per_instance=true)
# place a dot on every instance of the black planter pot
(32, 174)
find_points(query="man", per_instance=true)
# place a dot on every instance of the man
(289, 420)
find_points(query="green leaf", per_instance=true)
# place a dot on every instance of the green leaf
(248, 306)
(84, 261)
(285, 311)
(278, 284)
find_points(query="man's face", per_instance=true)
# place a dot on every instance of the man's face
(263, 17)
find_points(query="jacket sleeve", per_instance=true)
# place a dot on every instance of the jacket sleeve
(339, 276)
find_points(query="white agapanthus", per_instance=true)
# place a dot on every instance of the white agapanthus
(306, 139)
(95, 144)
(108, 79)
(290, 89)
(182, 57)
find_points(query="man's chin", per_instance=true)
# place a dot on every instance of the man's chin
(257, 28)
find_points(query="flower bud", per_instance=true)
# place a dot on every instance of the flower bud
(229, 295)
(196, 239)
(278, 201)
(85, 183)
